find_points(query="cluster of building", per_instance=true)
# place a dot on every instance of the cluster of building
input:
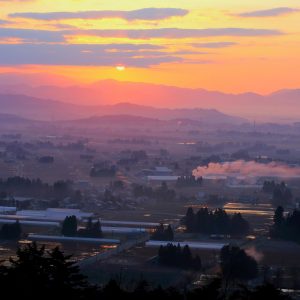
(159, 174)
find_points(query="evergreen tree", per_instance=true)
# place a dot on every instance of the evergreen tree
(169, 233)
(278, 217)
(35, 273)
(175, 256)
(288, 227)
(215, 222)
(239, 226)
(11, 231)
(190, 220)
(69, 226)
(237, 265)
(163, 234)
(282, 195)
(92, 230)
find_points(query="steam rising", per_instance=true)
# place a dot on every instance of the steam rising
(258, 256)
(248, 168)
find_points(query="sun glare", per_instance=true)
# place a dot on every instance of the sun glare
(120, 68)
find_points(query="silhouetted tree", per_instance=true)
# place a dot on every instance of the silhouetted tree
(282, 195)
(11, 231)
(163, 234)
(69, 226)
(34, 273)
(239, 226)
(92, 230)
(276, 230)
(160, 193)
(175, 256)
(37, 274)
(19, 186)
(269, 186)
(215, 222)
(288, 227)
(237, 265)
(190, 220)
(187, 181)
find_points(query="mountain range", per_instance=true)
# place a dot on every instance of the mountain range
(52, 110)
(281, 106)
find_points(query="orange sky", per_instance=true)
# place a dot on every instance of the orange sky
(217, 45)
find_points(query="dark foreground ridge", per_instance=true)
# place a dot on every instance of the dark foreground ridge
(38, 274)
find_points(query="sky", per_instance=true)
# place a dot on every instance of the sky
(225, 45)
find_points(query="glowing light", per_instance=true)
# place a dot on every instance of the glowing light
(120, 68)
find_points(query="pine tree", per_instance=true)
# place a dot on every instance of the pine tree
(69, 227)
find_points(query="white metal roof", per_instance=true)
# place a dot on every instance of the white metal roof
(192, 245)
(31, 223)
(130, 223)
(72, 239)
(123, 230)
(55, 214)
(162, 178)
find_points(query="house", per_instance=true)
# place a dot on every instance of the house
(162, 178)
(157, 172)
(162, 171)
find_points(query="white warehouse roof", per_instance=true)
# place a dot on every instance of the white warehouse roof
(55, 214)
(122, 230)
(31, 223)
(129, 223)
(36, 237)
(162, 178)
(192, 245)
(5, 209)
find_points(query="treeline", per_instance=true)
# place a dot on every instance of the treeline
(176, 256)
(286, 227)
(188, 181)
(160, 193)
(35, 273)
(116, 185)
(70, 228)
(132, 157)
(19, 186)
(133, 141)
(281, 194)
(108, 196)
(215, 222)
(76, 146)
(46, 160)
(103, 170)
(163, 233)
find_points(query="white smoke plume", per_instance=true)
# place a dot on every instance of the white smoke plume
(258, 256)
(248, 168)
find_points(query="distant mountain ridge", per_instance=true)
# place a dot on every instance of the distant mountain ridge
(8, 118)
(283, 105)
(51, 110)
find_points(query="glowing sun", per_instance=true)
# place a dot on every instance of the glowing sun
(120, 68)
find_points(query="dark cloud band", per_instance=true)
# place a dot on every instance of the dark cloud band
(273, 12)
(31, 35)
(140, 14)
(178, 33)
(82, 55)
